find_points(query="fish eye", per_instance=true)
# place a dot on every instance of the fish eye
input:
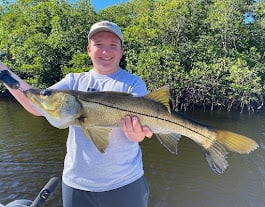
(46, 93)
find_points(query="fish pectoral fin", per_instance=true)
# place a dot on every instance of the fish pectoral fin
(82, 125)
(169, 141)
(100, 137)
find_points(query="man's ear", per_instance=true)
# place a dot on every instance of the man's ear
(88, 50)
(122, 52)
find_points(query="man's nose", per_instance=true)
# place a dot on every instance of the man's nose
(106, 49)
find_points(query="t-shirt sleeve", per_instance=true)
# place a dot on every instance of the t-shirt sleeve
(139, 87)
(65, 84)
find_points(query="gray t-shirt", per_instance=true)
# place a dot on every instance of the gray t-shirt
(86, 168)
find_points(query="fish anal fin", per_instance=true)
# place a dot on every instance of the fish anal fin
(216, 156)
(160, 95)
(100, 137)
(169, 141)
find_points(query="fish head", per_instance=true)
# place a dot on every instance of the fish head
(60, 108)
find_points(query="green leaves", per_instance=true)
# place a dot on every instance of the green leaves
(209, 54)
(42, 37)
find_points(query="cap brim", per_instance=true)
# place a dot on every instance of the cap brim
(103, 30)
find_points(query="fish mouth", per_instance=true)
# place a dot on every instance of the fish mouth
(37, 98)
(28, 91)
(39, 103)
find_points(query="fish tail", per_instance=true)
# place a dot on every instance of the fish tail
(236, 142)
(216, 154)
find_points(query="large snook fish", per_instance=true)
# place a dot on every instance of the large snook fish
(98, 112)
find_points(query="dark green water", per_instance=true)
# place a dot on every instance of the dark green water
(32, 152)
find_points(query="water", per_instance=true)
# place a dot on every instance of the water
(32, 152)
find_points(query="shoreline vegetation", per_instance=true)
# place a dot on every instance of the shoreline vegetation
(210, 53)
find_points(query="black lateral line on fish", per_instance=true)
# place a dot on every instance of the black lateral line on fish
(131, 111)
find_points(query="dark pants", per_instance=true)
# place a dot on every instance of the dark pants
(132, 195)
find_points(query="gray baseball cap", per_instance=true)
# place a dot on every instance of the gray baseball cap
(105, 26)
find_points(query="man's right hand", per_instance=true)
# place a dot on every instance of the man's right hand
(7, 78)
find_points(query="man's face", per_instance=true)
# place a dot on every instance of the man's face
(105, 51)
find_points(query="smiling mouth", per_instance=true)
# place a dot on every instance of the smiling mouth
(106, 59)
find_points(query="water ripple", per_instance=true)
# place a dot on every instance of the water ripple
(32, 152)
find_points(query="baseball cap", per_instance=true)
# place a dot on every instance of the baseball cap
(105, 26)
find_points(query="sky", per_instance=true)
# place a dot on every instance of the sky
(101, 4)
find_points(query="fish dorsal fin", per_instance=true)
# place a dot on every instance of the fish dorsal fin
(160, 95)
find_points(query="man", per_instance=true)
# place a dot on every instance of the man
(114, 178)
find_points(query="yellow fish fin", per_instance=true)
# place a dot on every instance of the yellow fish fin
(216, 154)
(100, 137)
(236, 142)
(161, 95)
(169, 141)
